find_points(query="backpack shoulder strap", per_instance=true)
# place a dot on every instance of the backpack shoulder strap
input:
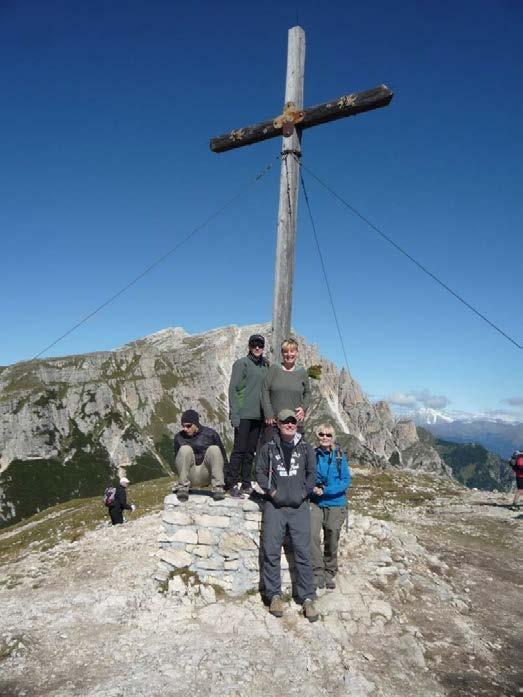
(339, 457)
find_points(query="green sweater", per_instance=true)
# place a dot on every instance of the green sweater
(245, 388)
(285, 389)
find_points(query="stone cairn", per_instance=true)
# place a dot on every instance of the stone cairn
(216, 541)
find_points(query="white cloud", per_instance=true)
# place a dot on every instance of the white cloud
(402, 399)
(434, 401)
(418, 398)
(514, 401)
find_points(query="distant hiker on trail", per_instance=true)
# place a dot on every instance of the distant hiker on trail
(200, 457)
(286, 386)
(328, 506)
(119, 503)
(516, 462)
(245, 413)
(286, 471)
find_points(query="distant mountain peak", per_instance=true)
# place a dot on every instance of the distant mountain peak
(427, 415)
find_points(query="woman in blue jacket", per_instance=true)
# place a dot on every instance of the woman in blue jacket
(328, 506)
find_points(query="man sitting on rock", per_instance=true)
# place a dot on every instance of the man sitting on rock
(286, 471)
(200, 456)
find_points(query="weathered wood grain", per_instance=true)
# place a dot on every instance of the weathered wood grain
(288, 203)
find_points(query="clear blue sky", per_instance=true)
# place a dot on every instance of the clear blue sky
(106, 112)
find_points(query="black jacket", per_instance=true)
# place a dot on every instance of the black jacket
(291, 486)
(201, 440)
(120, 499)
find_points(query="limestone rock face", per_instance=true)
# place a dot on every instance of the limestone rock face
(405, 434)
(71, 423)
(420, 457)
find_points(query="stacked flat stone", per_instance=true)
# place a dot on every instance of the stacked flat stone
(218, 541)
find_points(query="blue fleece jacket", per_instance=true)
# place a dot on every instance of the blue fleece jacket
(335, 477)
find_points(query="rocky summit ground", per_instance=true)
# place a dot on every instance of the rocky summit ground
(426, 604)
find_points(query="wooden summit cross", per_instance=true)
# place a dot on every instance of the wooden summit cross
(290, 125)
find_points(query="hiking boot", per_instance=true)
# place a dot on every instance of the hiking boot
(246, 489)
(235, 493)
(218, 493)
(182, 493)
(309, 610)
(319, 582)
(276, 607)
(330, 583)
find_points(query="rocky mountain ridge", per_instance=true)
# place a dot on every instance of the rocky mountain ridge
(471, 463)
(69, 424)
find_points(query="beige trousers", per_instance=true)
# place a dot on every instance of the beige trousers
(211, 469)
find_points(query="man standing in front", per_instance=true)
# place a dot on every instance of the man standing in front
(200, 456)
(286, 471)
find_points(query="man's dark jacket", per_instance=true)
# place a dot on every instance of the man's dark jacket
(293, 485)
(120, 499)
(201, 440)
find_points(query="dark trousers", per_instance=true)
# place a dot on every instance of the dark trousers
(276, 522)
(116, 514)
(245, 442)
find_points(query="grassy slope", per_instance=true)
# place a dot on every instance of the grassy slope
(70, 521)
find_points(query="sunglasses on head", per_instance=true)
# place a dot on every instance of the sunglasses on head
(326, 435)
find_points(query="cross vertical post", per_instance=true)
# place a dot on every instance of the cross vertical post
(288, 204)
(290, 125)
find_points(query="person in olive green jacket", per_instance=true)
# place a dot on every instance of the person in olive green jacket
(245, 413)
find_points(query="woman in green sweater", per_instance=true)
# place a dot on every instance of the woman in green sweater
(286, 386)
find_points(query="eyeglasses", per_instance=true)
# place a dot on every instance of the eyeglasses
(289, 423)
(187, 425)
(325, 435)
(257, 345)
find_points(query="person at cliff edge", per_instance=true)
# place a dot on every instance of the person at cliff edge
(119, 504)
(516, 462)
(286, 471)
(247, 376)
(199, 457)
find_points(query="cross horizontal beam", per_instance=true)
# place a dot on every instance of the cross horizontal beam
(347, 105)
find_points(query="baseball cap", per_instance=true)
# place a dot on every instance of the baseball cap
(287, 415)
(255, 339)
